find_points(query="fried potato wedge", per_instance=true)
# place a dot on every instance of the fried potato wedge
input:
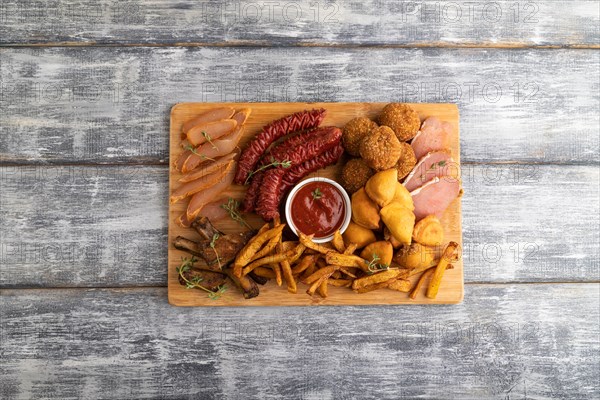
(400, 285)
(253, 246)
(448, 255)
(338, 241)
(379, 277)
(345, 260)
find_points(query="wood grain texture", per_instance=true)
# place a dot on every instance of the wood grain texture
(371, 22)
(106, 226)
(338, 114)
(111, 105)
(503, 342)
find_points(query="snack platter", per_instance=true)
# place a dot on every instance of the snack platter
(451, 288)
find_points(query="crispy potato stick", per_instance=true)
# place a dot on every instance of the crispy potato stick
(327, 271)
(378, 278)
(245, 255)
(268, 248)
(288, 276)
(344, 260)
(304, 263)
(311, 290)
(321, 262)
(436, 280)
(296, 253)
(375, 286)
(277, 271)
(307, 241)
(347, 272)
(417, 271)
(336, 275)
(350, 249)
(264, 272)
(426, 275)
(272, 259)
(339, 282)
(400, 285)
(323, 289)
(309, 271)
(338, 241)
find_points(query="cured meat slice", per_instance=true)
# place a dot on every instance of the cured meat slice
(435, 196)
(434, 135)
(209, 116)
(436, 163)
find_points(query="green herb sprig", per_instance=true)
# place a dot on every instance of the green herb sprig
(208, 139)
(233, 209)
(195, 282)
(274, 163)
(212, 245)
(316, 194)
(193, 150)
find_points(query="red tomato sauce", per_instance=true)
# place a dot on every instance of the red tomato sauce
(318, 208)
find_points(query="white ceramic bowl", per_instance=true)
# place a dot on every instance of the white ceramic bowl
(348, 206)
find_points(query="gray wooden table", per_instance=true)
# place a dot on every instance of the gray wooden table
(86, 88)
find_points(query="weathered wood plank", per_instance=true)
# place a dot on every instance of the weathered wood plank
(111, 105)
(503, 342)
(107, 226)
(428, 22)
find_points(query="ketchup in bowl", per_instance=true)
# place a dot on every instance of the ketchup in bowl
(318, 207)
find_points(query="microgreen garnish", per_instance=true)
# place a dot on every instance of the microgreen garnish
(194, 282)
(316, 194)
(212, 244)
(193, 150)
(375, 266)
(274, 163)
(233, 209)
(208, 139)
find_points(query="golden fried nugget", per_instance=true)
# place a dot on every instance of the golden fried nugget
(403, 120)
(381, 149)
(354, 132)
(406, 162)
(355, 174)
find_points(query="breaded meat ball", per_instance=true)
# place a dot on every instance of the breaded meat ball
(355, 175)
(403, 120)
(354, 132)
(381, 149)
(406, 162)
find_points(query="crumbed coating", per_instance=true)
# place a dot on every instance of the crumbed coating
(381, 149)
(403, 120)
(354, 132)
(355, 174)
(406, 162)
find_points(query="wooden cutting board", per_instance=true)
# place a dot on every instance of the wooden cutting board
(452, 288)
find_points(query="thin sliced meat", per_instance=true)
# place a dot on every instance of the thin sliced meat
(214, 209)
(208, 168)
(200, 199)
(434, 135)
(435, 196)
(436, 163)
(207, 151)
(242, 116)
(215, 114)
(201, 184)
(211, 131)
(180, 162)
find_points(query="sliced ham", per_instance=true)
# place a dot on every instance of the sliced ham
(434, 135)
(436, 163)
(435, 196)
(200, 199)
(215, 114)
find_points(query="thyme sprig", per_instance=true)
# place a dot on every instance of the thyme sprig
(274, 163)
(208, 139)
(195, 282)
(193, 150)
(317, 194)
(233, 209)
(375, 266)
(212, 245)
